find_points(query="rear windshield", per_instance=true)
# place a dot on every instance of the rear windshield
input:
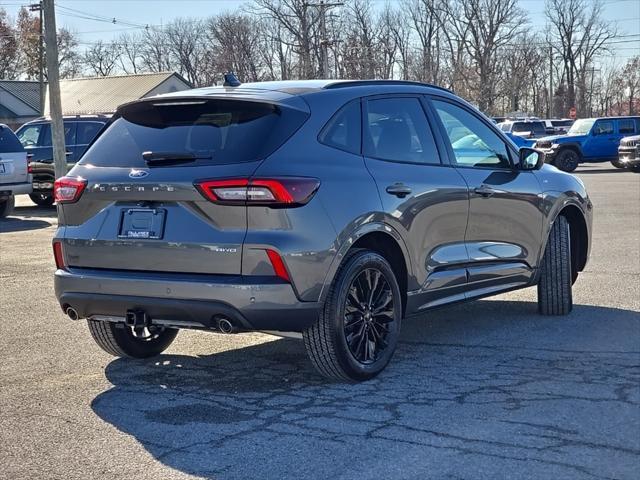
(215, 132)
(9, 143)
(536, 127)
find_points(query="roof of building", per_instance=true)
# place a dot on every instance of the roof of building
(104, 94)
(26, 91)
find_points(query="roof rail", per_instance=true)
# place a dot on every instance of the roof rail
(364, 83)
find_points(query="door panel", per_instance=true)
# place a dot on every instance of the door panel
(427, 202)
(504, 230)
(603, 140)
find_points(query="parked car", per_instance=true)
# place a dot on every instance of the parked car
(14, 175)
(35, 136)
(557, 127)
(525, 128)
(629, 154)
(588, 140)
(330, 208)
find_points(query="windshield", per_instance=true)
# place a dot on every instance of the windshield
(581, 127)
(213, 132)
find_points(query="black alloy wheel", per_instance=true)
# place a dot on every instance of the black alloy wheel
(368, 313)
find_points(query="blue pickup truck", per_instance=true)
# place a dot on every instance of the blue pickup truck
(588, 140)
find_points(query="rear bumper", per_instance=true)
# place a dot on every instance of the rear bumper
(7, 189)
(187, 301)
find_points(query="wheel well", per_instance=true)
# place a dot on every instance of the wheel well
(579, 237)
(386, 246)
(571, 147)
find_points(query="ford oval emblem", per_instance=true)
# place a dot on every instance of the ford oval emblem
(138, 173)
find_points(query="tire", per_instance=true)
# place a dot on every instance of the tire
(42, 199)
(119, 340)
(357, 345)
(618, 164)
(554, 286)
(6, 206)
(567, 160)
(635, 168)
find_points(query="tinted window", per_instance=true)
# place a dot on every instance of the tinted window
(603, 128)
(397, 129)
(30, 134)
(9, 142)
(215, 132)
(480, 146)
(344, 130)
(69, 135)
(87, 131)
(626, 126)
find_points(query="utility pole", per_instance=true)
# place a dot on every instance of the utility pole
(323, 6)
(550, 110)
(55, 104)
(37, 7)
(592, 70)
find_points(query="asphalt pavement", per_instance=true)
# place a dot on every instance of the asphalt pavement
(486, 390)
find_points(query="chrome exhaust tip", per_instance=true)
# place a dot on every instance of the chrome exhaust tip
(72, 313)
(225, 326)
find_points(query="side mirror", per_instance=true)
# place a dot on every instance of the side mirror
(530, 159)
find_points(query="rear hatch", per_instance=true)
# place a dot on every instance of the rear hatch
(141, 209)
(13, 158)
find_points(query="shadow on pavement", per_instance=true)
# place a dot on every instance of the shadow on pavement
(600, 170)
(12, 224)
(474, 391)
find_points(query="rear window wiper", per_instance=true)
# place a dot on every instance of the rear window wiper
(170, 158)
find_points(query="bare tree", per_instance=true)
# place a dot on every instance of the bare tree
(296, 19)
(130, 57)
(631, 82)
(487, 26)
(237, 45)
(8, 47)
(578, 34)
(101, 59)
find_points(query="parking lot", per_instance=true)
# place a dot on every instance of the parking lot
(488, 389)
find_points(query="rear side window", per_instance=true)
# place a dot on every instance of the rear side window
(397, 129)
(87, 131)
(215, 132)
(9, 143)
(344, 130)
(626, 126)
(69, 135)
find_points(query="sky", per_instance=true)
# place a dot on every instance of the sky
(132, 15)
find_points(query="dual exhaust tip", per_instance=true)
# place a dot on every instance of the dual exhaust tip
(138, 318)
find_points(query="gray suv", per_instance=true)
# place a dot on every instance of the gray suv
(330, 208)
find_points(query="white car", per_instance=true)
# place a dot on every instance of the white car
(14, 170)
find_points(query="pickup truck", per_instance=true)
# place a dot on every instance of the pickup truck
(14, 170)
(588, 140)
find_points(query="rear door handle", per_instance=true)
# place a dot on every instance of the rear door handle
(400, 190)
(484, 191)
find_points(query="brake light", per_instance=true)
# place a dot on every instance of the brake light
(58, 255)
(273, 192)
(278, 265)
(68, 189)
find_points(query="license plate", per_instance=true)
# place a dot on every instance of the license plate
(142, 223)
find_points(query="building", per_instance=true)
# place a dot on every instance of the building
(91, 95)
(19, 102)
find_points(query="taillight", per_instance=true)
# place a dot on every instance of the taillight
(278, 265)
(68, 189)
(58, 255)
(273, 192)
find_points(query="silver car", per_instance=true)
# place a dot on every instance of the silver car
(15, 178)
(330, 208)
